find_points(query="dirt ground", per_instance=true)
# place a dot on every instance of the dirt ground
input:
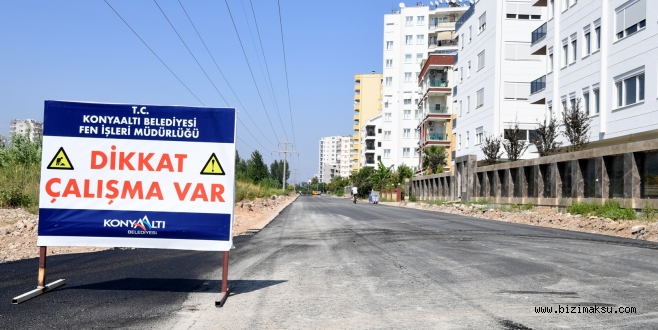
(550, 217)
(18, 228)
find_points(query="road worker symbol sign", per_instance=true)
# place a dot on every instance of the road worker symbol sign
(213, 167)
(60, 161)
(136, 180)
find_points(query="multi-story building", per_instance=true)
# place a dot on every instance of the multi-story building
(367, 103)
(435, 123)
(410, 34)
(601, 53)
(29, 127)
(334, 157)
(494, 68)
(371, 141)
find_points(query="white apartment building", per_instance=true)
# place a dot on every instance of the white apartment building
(28, 126)
(371, 141)
(603, 53)
(409, 35)
(494, 68)
(334, 157)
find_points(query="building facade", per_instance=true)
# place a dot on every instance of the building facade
(371, 141)
(334, 157)
(436, 106)
(367, 103)
(29, 127)
(600, 55)
(494, 68)
(410, 34)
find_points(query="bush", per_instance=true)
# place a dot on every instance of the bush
(609, 209)
(526, 207)
(413, 198)
(648, 213)
(252, 191)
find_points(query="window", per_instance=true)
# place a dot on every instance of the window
(482, 22)
(596, 101)
(389, 63)
(468, 73)
(387, 135)
(550, 111)
(407, 101)
(461, 74)
(420, 20)
(406, 152)
(420, 39)
(389, 45)
(416, 100)
(470, 34)
(565, 55)
(550, 62)
(407, 58)
(408, 40)
(388, 81)
(518, 51)
(460, 108)
(597, 34)
(564, 103)
(407, 114)
(419, 57)
(574, 50)
(462, 41)
(551, 9)
(468, 104)
(524, 16)
(406, 133)
(407, 76)
(588, 46)
(480, 98)
(459, 144)
(387, 116)
(573, 102)
(468, 138)
(516, 91)
(630, 18)
(535, 16)
(386, 105)
(525, 134)
(586, 102)
(481, 61)
(416, 133)
(630, 90)
(511, 16)
(417, 114)
(409, 20)
(479, 135)
(387, 153)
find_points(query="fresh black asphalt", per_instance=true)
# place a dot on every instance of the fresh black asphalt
(388, 267)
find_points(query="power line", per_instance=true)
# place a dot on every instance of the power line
(260, 41)
(188, 49)
(156, 55)
(245, 127)
(250, 71)
(222, 73)
(285, 65)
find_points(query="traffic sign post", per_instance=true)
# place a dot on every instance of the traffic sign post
(118, 175)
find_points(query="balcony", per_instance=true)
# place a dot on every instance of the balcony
(538, 34)
(465, 17)
(438, 109)
(438, 83)
(357, 128)
(356, 118)
(437, 137)
(371, 148)
(370, 133)
(454, 91)
(538, 85)
(357, 98)
(443, 43)
(442, 25)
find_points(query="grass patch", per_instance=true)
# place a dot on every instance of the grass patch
(19, 187)
(649, 213)
(609, 209)
(413, 198)
(252, 191)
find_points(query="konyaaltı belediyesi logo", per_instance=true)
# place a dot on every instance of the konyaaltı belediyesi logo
(144, 224)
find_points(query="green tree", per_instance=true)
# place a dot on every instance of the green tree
(256, 168)
(381, 177)
(276, 170)
(515, 143)
(577, 124)
(434, 159)
(404, 172)
(361, 180)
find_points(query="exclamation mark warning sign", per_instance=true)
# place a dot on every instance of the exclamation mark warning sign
(213, 167)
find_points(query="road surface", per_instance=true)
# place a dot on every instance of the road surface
(327, 263)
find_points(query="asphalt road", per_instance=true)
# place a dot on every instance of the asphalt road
(327, 263)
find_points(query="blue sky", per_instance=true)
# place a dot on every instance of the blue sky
(80, 50)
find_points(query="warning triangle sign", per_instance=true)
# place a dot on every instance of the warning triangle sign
(60, 161)
(213, 167)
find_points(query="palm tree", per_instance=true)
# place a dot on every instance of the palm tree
(434, 159)
(381, 177)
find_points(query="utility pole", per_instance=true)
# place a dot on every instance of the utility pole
(285, 153)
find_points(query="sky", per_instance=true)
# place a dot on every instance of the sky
(82, 51)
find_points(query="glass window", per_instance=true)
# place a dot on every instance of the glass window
(389, 63)
(406, 152)
(596, 101)
(482, 21)
(409, 20)
(420, 39)
(407, 58)
(421, 20)
(406, 133)
(511, 15)
(480, 61)
(524, 16)
(419, 57)
(588, 47)
(630, 90)
(389, 45)
(389, 81)
(416, 133)
(407, 76)
(407, 114)
(387, 116)
(586, 102)
(574, 49)
(565, 55)
(408, 40)
(480, 98)
(387, 153)
(597, 31)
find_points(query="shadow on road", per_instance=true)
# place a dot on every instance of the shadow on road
(176, 285)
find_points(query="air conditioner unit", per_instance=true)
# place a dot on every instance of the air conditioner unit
(431, 130)
(431, 123)
(432, 72)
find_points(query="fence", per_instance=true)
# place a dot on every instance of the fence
(627, 173)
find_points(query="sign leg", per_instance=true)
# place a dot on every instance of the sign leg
(42, 287)
(41, 282)
(225, 290)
